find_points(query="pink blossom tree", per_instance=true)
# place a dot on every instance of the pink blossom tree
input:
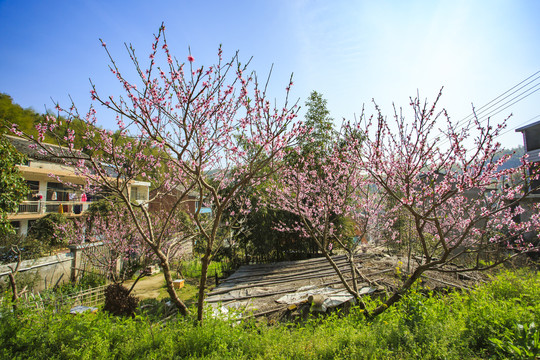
(462, 208)
(183, 127)
(320, 188)
(112, 240)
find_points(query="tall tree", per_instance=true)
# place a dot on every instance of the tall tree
(200, 119)
(13, 190)
(316, 141)
(319, 125)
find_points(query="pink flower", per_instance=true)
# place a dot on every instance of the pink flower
(190, 58)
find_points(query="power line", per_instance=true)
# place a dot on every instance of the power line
(495, 112)
(501, 103)
(515, 127)
(498, 99)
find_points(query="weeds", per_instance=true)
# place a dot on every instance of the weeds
(521, 342)
(192, 268)
(481, 324)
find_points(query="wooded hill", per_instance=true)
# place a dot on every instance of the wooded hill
(27, 119)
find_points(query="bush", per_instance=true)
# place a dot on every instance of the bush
(521, 342)
(193, 268)
(87, 281)
(30, 248)
(45, 230)
(118, 301)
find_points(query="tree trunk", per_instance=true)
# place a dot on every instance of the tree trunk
(14, 290)
(353, 271)
(205, 262)
(12, 274)
(170, 287)
(396, 296)
(339, 273)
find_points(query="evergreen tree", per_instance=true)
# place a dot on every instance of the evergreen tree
(13, 187)
(320, 124)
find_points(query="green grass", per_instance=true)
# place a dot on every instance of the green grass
(192, 268)
(481, 324)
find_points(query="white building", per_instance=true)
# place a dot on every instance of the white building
(48, 195)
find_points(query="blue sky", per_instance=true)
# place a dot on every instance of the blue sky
(350, 51)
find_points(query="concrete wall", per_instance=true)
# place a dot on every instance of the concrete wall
(45, 272)
(85, 257)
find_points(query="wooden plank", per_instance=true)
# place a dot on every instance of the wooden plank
(328, 273)
(282, 275)
(279, 292)
(266, 269)
(282, 271)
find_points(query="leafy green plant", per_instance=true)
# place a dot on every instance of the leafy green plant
(422, 326)
(192, 268)
(13, 188)
(87, 281)
(45, 229)
(520, 342)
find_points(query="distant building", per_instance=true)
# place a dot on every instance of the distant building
(47, 195)
(531, 141)
(190, 202)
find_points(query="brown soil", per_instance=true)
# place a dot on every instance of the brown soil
(149, 287)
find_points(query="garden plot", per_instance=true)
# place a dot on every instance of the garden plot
(278, 289)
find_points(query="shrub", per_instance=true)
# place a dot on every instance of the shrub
(45, 230)
(119, 301)
(30, 248)
(192, 268)
(521, 342)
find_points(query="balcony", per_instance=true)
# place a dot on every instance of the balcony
(45, 207)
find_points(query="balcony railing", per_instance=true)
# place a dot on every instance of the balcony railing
(42, 207)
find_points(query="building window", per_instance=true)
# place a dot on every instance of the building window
(138, 193)
(34, 190)
(60, 193)
(134, 194)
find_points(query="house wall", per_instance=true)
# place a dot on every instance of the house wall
(43, 273)
(531, 141)
(165, 203)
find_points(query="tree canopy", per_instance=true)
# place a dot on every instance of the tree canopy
(320, 126)
(200, 118)
(453, 198)
(13, 188)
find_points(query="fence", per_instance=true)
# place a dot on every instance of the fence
(46, 272)
(273, 257)
(89, 297)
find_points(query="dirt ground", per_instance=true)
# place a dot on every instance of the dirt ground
(153, 287)
(149, 287)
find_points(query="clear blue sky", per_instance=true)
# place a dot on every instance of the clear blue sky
(351, 51)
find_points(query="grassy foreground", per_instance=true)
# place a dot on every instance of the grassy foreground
(494, 321)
